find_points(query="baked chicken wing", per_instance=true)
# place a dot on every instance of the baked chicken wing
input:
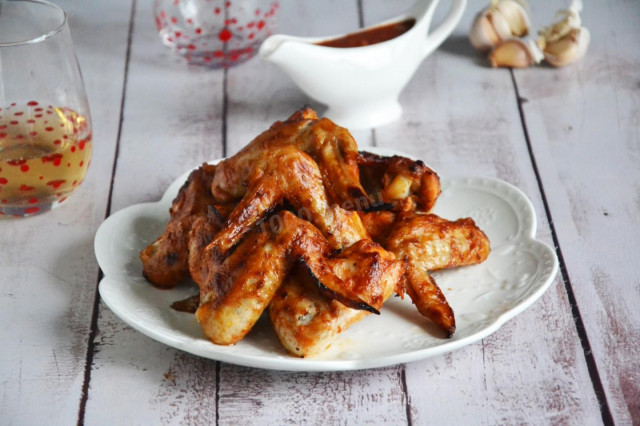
(286, 174)
(234, 290)
(165, 261)
(331, 147)
(434, 243)
(430, 243)
(307, 322)
(406, 184)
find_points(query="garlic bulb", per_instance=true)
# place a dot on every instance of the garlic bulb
(515, 53)
(565, 41)
(501, 20)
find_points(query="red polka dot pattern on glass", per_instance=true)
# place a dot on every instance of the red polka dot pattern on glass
(33, 149)
(216, 34)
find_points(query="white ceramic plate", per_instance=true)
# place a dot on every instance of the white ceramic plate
(483, 297)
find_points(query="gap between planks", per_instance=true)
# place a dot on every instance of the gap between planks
(93, 328)
(598, 388)
(225, 110)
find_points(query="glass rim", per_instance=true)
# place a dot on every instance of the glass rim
(41, 37)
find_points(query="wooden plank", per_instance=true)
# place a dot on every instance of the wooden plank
(172, 121)
(462, 118)
(583, 122)
(278, 398)
(47, 267)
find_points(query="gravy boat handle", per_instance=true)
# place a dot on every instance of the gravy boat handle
(437, 36)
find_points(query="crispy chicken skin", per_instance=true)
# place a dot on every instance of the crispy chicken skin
(433, 243)
(378, 224)
(165, 261)
(331, 147)
(288, 174)
(425, 242)
(306, 321)
(430, 243)
(235, 290)
(406, 184)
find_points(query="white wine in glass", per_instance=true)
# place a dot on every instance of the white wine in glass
(45, 125)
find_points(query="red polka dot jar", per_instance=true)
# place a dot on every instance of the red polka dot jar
(212, 33)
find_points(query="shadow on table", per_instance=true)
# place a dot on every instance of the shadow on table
(459, 45)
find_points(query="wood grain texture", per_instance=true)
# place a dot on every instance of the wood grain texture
(284, 398)
(584, 126)
(172, 121)
(47, 268)
(462, 118)
(172, 117)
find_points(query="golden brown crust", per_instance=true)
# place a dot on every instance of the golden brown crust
(434, 243)
(165, 261)
(234, 290)
(288, 174)
(306, 321)
(430, 243)
(331, 147)
(405, 183)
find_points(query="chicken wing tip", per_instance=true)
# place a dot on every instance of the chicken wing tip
(346, 299)
(304, 113)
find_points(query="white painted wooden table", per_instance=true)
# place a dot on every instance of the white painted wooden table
(569, 138)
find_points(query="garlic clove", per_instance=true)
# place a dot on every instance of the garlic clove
(483, 35)
(515, 53)
(501, 20)
(565, 41)
(569, 49)
(517, 17)
(488, 29)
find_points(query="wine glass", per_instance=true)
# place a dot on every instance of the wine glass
(45, 126)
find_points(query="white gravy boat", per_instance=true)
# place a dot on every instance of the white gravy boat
(361, 85)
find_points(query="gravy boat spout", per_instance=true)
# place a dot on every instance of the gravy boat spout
(360, 85)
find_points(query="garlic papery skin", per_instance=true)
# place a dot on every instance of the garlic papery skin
(568, 49)
(501, 20)
(515, 53)
(565, 41)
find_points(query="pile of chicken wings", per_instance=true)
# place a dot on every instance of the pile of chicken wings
(301, 223)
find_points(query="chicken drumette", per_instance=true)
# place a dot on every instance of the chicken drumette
(165, 261)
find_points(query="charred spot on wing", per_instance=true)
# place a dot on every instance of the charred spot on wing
(358, 193)
(171, 258)
(415, 166)
(369, 157)
(359, 305)
(451, 331)
(188, 305)
(213, 212)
